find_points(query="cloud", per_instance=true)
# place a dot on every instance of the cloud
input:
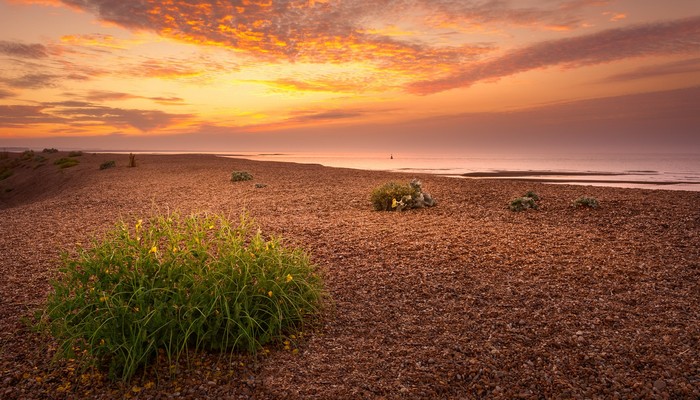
(21, 50)
(329, 115)
(20, 116)
(677, 67)
(81, 114)
(5, 93)
(32, 81)
(658, 39)
(99, 96)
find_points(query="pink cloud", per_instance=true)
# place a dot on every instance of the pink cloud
(657, 39)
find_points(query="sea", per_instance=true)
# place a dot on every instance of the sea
(668, 171)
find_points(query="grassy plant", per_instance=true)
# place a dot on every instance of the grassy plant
(532, 195)
(75, 154)
(239, 176)
(27, 155)
(522, 204)
(585, 201)
(173, 284)
(66, 162)
(5, 173)
(50, 150)
(386, 197)
(108, 164)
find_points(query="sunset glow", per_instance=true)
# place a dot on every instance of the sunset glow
(328, 74)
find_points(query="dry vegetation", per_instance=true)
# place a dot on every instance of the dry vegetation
(463, 300)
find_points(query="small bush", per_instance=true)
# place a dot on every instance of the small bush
(385, 197)
(172, 284)
(108, 164)
(27, 155)
(75, 154)
(66, 162)
(522, 204)
(5, 173)
(239, 176)
(532, 195)
(394, 196)
(585, 201)
(51, 150)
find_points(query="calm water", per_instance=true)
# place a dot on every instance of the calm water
(655, 171)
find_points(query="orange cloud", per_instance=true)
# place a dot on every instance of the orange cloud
(664, 38)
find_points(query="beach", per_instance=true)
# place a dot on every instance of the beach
(463, 300)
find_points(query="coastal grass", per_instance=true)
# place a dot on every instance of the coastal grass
(66, 162)
(108, 164)
(585, 201)
(386, 196)
(527, 201)
(241, 176)
(173, 284)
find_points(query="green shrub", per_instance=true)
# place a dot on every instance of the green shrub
(238, 176)
(173, 284)
(585, 201)
(5, 173)
(522, 204)
(387, 196)
(532, 195)
(108, 164)
(75, 154)
(66, 162)
(27, 155)
(51, 150)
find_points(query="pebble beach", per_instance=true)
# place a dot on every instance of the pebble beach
(466, 299)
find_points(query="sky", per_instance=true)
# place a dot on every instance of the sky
(356, 75)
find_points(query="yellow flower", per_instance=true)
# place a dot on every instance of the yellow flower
(289, 278)
(103, 298)
(393, 203)
(211, 227)
(138, 224)
(154, 249)
(136, 309)
(269, 294)
(175, 249)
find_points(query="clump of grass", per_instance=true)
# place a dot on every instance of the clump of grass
(50, 150)
(522, 203)
(532, 195)
(387, 196)
(527, 201)
(584, 201)
(75, 154)
(26, 155)
(66, 162)
(108, 164)
(239, 176)
(172, 284)
(5, 173)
